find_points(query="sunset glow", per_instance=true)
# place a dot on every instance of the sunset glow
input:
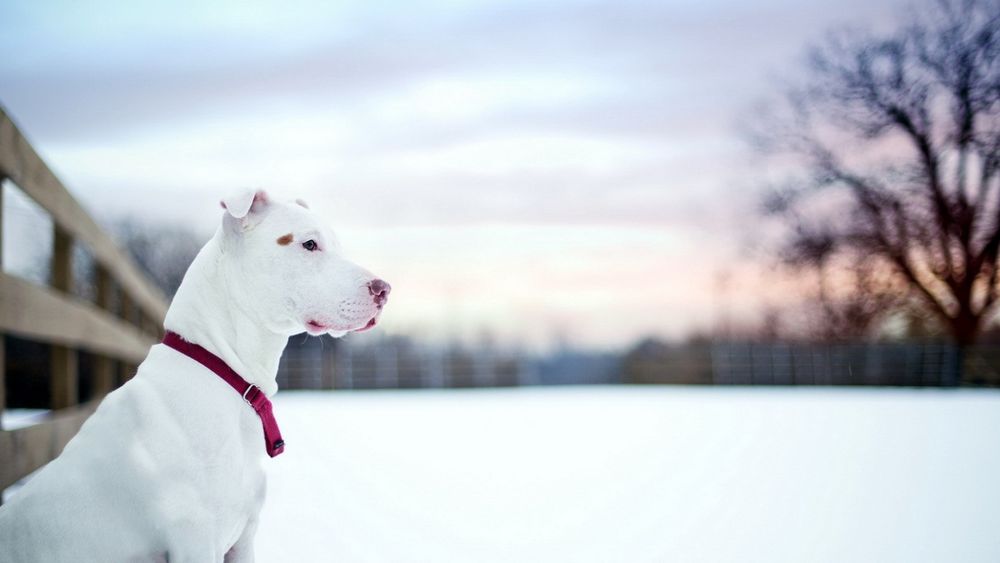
(540, 172)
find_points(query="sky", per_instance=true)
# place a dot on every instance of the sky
(545, 171)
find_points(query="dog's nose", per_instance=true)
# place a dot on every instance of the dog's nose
(380, 290)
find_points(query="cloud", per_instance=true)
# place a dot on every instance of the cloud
(592, 141)
(95, 76)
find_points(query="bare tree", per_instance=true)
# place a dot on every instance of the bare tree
(164, 252)
(853, 293)
(899, 138)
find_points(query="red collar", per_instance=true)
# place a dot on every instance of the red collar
(250, 393)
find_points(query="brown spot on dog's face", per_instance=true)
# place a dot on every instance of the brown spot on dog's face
(285, 240)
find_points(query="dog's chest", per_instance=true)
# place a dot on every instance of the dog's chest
(208, 444)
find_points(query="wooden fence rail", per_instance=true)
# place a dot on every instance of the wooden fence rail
(54, 316)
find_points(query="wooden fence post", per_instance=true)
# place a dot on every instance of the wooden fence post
(127, 309)
(104, 379)
(63, 379)
(3, 349)
(127, 313)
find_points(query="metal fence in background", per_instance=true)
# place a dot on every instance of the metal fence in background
(893, 364)
(399, 363)
(322, 363)
(873, 363)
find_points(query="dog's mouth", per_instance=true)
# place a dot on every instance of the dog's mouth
(371, 324)
(317, 328)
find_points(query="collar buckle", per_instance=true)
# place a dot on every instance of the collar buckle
(248, 401)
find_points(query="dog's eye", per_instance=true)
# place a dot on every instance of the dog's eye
(310, 245)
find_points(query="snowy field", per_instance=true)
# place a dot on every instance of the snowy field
(636, 474)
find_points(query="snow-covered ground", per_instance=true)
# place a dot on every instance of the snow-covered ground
(636, 474)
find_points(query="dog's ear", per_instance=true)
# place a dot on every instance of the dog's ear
(245, 208)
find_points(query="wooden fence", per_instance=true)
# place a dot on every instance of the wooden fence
(118, 328)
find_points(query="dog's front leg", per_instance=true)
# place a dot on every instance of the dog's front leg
(242, 550)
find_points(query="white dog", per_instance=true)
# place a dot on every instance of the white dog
(169, 467)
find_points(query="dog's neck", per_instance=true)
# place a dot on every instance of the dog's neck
(207, 311)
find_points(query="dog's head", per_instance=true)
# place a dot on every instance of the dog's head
(289, 269)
